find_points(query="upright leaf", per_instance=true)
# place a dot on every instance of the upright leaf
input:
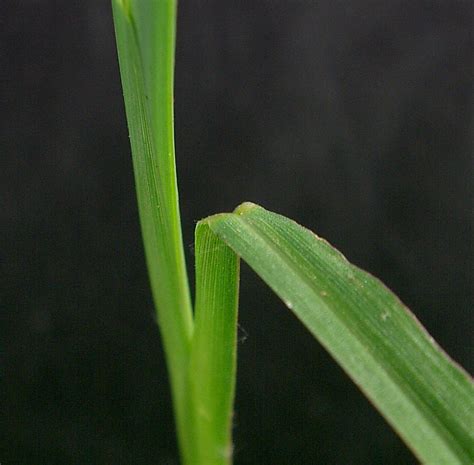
(145, 33)
(213, 355)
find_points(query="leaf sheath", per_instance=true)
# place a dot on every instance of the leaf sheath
(213, 355)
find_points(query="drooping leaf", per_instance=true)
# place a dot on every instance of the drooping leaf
(423, 394)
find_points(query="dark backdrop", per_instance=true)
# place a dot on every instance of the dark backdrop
(354, 118)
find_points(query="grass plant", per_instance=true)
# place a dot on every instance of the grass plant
(424, 395)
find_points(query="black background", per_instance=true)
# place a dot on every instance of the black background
(353, 117)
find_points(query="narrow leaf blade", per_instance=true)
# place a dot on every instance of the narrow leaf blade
(425, 396)
(145, 34)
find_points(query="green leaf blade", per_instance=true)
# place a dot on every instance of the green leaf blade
(426, 398)
(214, 346)
(145, 31)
